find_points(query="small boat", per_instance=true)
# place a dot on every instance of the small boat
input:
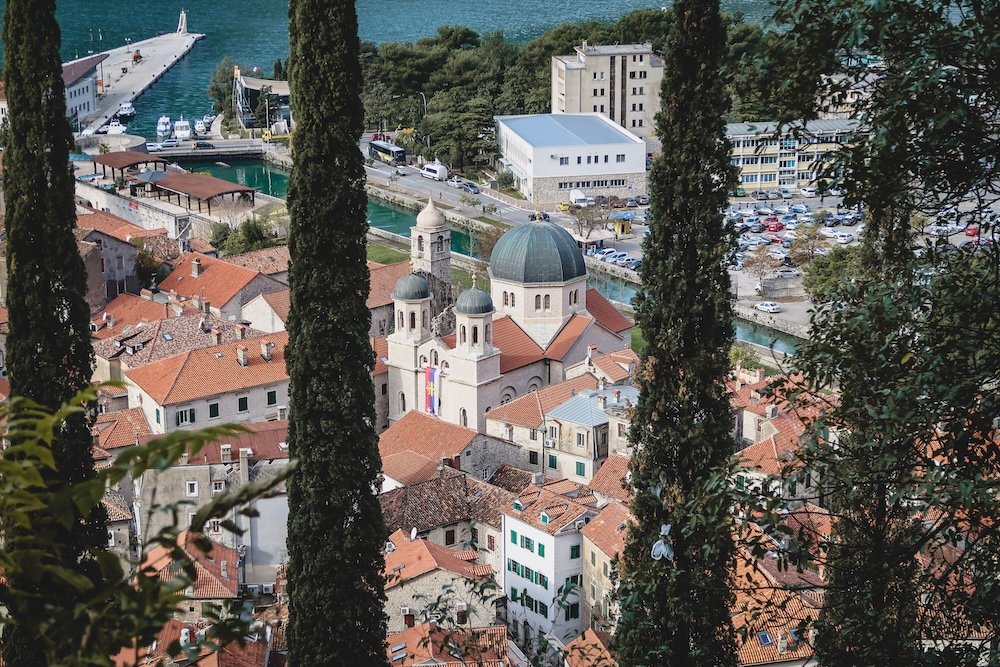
(163, 127)
(209, 118)
(221, 164)
(182, 129)
(126, 110)
(115, 127)
(199, 126)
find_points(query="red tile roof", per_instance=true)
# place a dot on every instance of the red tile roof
(617, 366)
(428, 644)
(529, 410)
(591, 649)
(218, 283)
(411, 559)
(129, 309)
(425, 436)
(265, 440)
(122, 428)
(609, 478)
(268, 261)
(211, 584)
(605, 313)
(569, 334)
(280, 302)
(607, 530)
(212, 371)
(562, 501)
(512, 479)
(106, 223)
(383, 279)
(517, 349)
(409, 468)
(380, 346)
(253, 653)
(116, 506)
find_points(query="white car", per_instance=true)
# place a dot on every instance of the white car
(790, 234)
(835, 192)
(622, 260)
(455, 182)
(768, 307)
(786, 272)
(615, 256)
(808, 192)
(747, 212)
(777, 253)
(844, 238)
(829, 232)
(791, 226)
(604, 254)
(154, 147)
(756, 242)
(782, 210)
(764, 210)
(820, 252)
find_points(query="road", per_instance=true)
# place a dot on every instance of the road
(222, 148)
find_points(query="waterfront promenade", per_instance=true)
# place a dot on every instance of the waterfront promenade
(124, 80)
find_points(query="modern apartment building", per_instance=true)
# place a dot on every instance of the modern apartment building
(769, 160)
(621, 82)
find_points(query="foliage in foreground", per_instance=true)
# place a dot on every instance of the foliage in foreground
(113, 611)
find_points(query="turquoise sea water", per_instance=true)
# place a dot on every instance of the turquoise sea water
(273, 181)
(255, 32)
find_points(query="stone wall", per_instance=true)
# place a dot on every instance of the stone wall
(771, 320)
(545, 191)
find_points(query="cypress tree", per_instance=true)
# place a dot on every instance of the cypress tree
(335, 527)
(676, 610)
(49, 355)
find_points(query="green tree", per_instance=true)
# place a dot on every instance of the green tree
(220, 86)
(676, 610)
(808, 244)
(254, 233)
(147, 266)
(745, 357)
(267, 105)
(825, 277)
(279, 71)
(335, 527)
(49, 355)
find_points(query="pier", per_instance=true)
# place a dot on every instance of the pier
(123, 79)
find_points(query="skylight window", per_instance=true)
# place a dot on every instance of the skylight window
(168, 336)
(765, 639)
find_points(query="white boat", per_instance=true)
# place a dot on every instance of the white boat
(126, 110)
(163, 127)
(182, 129)
(199, 127)
(114, 127)
(209, 118)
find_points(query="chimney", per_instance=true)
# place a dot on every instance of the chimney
(227, 453)
(111, 321)
(265, 350)
(590, 354)
(242, 331)
(537, 478)
(184, 458)
(177, 309)
(772, 411)
(195, 267)
(224, 569)
(242, 356)
(618, 395)
(244, 466)
(602, 401)
(216, 336)
(601, 384)
(206, 305)
(146, 294)
(782, 643)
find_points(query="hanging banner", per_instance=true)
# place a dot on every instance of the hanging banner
(430, 390)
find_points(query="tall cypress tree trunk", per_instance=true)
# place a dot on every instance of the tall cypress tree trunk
(49, 355)
(335, 527)
(676, 611)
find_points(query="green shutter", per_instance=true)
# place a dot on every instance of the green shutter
(191, 415)
(541, 550)
(552, 461)
(177, 417)
(513, 594)
(581, 468)
(244, 404)
(574, 551)
(157, 415)
(272, 397)
(213, 410)
(513, 537)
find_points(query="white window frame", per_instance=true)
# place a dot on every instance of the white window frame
(191, 488)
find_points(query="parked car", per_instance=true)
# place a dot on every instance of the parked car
(759, 195)
(470, 187)
(782, 210)
(785, 193)
(835, 192)
(622, 260)
(774, 194)
(938, 230)
(972, 230)
(808, 192)
(799, 208)
(455, 182)
(828, 232)
(604, 254)
(777, 253)
(756, 242)
(768, 307)
(170, 143)
(538, 215)
(786, 272)
(631, 203)
(564, 206)
(601, 200)
(633, 264)
(203, 144)
(617, 202)
(764, 210)
(773, 238)
(775, 226)
(615, 256)
(757, 227)
(844, 238)
(792, 225)
(154, 147)
(643, 200)
(736, 192)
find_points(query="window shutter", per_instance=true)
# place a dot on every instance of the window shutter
(191, 415)
(177, 417)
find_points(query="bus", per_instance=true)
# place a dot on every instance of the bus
(387, 152)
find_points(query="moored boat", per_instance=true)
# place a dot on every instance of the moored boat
(163, 127)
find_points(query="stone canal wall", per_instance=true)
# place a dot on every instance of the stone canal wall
(771, 321)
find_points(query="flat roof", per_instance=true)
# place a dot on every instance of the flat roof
(125, 159)
(770, 126)
(567, 129)
(279, 88)
(200, 186)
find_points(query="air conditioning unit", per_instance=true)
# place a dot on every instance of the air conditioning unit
(271, 417)
(405, 611)
(549, 442)
(461, 606)
(282, 413)
(253, 589)
(267, 589)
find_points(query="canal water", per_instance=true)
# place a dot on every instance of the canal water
(274, 181)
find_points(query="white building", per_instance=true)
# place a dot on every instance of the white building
(540, 319)
(543, 550)
(80, 77)
(620, 81)
(552, 154)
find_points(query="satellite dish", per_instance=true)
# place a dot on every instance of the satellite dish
(413, 533)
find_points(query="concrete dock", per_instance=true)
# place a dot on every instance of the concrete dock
(124, 80)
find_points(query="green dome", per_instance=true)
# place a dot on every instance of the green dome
(474, 301)
(537, 252)
(411, 287)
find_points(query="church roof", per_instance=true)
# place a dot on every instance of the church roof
(474, 301)
(539, 252)
(411, 287)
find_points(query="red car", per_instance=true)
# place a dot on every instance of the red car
(774, 226)
(773, 238)
(972, 230)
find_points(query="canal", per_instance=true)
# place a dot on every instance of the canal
(273, 181)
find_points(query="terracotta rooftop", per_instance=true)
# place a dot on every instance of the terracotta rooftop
(605, 313)
(126, 159)
(610, 477)
(591, 649)
(410, 559)
(488, 501)
(112, 225)
(212, 371)
(129, 310)
(219, 281)
(427, 644)
(200, 185)
(212, 582)
(268, 261)
(767, 456)
(562, 502)
(512, 479)
(253, 653)
(529, 410)
(380, 346)
(560, 345)
(265, 440)
(517, 349)
(122, 428)
(607, 530)
(438, 501)
(616, 366)
(383, 278)
(280, 302)
(814, 522)
(148, 342)
(4, 321)
(116, 506)
(409, 468)
(425, 436)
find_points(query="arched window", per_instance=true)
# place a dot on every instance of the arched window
(511, 299)
(413, 321)
(462, 338)
(505, 302)
(576, 296)
(440, 244)
(546, 302)
(423, 361)
(486, 334)
(434, 357)
(402, 402)
(423, 319)
(463, 417)
(475, 335)
(420, 243)
(400, 320)
(538, 302)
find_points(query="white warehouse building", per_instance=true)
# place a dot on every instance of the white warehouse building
(552, 154)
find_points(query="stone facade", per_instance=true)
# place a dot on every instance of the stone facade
(549, 190)
(438, 591)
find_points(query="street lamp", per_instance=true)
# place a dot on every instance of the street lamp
(424, 98)
(128, 45)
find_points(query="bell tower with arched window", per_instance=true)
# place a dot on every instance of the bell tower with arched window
(430, 243)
